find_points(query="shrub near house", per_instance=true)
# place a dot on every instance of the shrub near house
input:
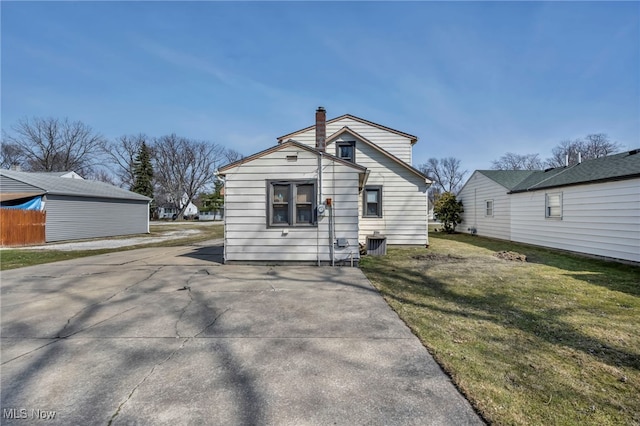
(448, 210)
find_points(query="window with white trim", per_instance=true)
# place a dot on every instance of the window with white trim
(488, 208)
(372, 201)
(553, 205)
(291, 203)
(346, 150)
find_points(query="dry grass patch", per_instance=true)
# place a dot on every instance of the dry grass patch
(553, 340)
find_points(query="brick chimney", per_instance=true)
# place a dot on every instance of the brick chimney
(321, 129)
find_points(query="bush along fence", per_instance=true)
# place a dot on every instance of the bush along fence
(22, 227)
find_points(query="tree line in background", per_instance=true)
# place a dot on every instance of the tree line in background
(170, 169)
(448, 176)
(174, 170)
(566, 153)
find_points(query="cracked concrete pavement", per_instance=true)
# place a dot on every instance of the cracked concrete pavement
(171, 336)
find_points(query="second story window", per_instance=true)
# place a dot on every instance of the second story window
(346, 151)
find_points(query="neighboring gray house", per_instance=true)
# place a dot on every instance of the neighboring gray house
(592, 207)
(77, 208)
(313, 198)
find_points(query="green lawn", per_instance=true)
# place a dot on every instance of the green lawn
(554, 340)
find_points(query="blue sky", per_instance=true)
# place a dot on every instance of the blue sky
(472, 80)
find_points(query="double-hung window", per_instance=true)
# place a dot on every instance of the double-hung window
(372, 201)
(488, 208)
(346, 150)
(553, 205)
(291, 203)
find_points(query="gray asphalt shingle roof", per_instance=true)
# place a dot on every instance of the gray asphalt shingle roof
(55, 185)
(625, 165)
(507, 178)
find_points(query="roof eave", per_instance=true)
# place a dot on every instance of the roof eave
(586, 182)
(413, 139)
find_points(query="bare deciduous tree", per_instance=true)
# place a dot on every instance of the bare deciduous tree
(10, 155)
(184, 167)
(102, 175)
(53, 145)
(445, 173)
(231, 155)
(121, 155)
(591, 146)
(511, 161)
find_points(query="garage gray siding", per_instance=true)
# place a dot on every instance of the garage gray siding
(70, 218)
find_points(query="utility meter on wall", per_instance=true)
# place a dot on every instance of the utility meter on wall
(321, 209)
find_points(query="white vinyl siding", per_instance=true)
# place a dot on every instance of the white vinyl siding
(249, 239)
(404, 200)
(475, 195)
(393, 143)
(601, 219)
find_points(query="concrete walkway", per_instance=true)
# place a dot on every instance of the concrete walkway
(171, 336)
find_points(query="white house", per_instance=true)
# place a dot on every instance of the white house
(171, 209)
(592, 207)
(487, 204)
(313, 197)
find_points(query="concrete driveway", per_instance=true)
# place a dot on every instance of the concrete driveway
(171, 336)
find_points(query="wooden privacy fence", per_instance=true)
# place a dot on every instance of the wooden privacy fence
(22, 227)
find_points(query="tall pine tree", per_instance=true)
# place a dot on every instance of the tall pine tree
(143, 172)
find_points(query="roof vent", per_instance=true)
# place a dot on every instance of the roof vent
(634, 151)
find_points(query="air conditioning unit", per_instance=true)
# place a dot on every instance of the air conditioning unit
(376, 245)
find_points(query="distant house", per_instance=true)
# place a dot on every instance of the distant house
(75, 208)
(592, 207)
(170, 209)
(313, 198)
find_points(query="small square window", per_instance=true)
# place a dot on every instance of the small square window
(346, 151)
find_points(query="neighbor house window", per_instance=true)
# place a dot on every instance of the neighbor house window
(488, 208)
(553, 205)
(291, 203)
(372, 201)
(346, 151)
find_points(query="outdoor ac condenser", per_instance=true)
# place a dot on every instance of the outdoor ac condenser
(376, 245)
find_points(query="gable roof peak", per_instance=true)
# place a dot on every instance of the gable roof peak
(412, 138)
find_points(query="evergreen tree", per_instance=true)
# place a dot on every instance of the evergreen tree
(143, 172)
(449, 211)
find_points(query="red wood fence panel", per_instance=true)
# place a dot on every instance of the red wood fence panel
(22, 227)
